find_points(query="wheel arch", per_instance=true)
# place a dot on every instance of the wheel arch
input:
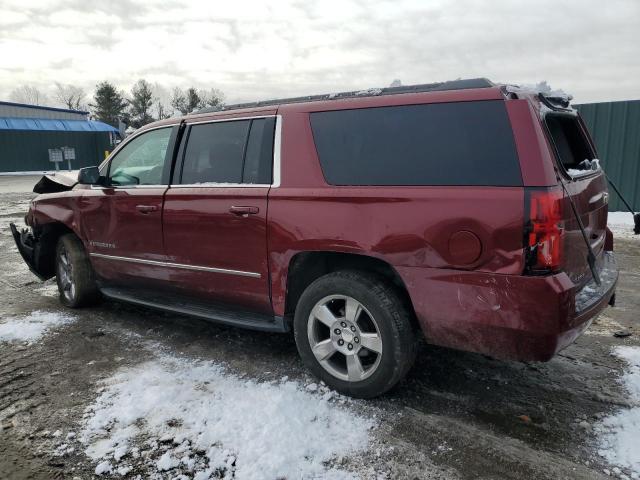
(46, 240)
(305, 267)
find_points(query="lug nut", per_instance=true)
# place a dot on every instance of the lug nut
(344, 325)
(337, 331)
(353, 329)
(340, 342)
(356, 339)
(350, 347)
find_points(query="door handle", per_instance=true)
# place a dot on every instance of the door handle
(146, 208)
(244, 211)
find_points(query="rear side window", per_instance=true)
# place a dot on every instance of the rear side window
(215, 152)
(465, 143)
(570, 143)
(239, 151)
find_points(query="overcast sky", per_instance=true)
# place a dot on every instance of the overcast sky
(258, 49)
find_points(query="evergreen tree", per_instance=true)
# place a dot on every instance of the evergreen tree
(141, 103)
(193, 100)
(109, 105)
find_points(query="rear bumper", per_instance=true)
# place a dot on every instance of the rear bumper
(28, 248)
(506, 316)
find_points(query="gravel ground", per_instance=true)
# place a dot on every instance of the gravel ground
(458, 415)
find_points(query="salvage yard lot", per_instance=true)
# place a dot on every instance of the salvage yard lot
(122, 392)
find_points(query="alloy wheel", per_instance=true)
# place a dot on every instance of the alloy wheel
(65, 274)
(345, 338)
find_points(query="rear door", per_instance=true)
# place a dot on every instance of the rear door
(122, 221)
(587, 187)
(215, 212)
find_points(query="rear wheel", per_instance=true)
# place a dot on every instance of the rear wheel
(354, 331)
(74, 274)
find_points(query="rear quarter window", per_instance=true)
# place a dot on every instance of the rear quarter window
(463, 143)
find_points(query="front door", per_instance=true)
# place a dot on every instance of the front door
(215, 213)
(122, 221)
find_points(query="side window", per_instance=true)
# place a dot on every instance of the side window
(142, 160)
(215, 152)
(463, 143)
(258, 162)
(236, 151)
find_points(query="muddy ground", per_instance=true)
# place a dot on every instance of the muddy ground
(458, 415)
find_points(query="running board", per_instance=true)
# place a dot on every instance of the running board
(199, 309)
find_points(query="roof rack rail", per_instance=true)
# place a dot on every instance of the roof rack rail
(371, 92)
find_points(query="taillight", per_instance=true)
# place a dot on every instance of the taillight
(544, 229)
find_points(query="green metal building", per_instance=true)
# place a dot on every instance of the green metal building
(615, 128)
(27, 132)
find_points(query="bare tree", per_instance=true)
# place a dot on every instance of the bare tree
(28, 94)
(179, 101)
(70, 96)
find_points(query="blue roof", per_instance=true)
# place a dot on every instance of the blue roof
(42, 107)
(54, 125)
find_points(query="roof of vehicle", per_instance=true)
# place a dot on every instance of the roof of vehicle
(468, 89)
(371, 92)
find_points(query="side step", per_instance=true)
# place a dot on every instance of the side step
(197, 308)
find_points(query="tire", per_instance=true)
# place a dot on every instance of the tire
(354, 368)
(74, 273)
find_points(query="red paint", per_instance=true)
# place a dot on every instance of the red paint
(458, 250)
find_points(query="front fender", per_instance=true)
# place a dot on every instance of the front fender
(39, 256)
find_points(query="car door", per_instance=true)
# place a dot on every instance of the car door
(215, 212)
(122, 220)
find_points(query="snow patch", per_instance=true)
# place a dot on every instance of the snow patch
(32, 327)
(540, 87)
(621, 224)
(620, 432)
(195, 418)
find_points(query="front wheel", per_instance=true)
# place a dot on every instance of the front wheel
(354, 331)
(74, 273)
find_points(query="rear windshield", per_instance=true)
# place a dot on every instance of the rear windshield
(571, 145)
(464, 143)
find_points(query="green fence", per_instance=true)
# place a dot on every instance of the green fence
(615, 127)
(25, 150)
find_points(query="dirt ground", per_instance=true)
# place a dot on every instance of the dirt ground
(458, 415)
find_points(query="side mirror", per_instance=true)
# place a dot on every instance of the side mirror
(89, 176)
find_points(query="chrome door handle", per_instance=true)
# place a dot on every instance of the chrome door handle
(244, 210)
(146, 208)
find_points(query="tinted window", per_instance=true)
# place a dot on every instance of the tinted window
(259, 157)
(465, 143)
(141, 161)
(215, 152)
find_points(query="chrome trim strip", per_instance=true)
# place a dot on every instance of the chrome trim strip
(176, 265)
(277, 151)
(229, 119)
(219, 185)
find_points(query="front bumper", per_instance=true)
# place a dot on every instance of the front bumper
(506, 316)
(28, 247)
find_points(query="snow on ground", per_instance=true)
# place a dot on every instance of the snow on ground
(30, 328)
(620, 432)
(191, 417)
(621, 224)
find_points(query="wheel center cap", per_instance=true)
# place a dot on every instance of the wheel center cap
(347, 336)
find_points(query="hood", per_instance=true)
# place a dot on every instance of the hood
(56, 182)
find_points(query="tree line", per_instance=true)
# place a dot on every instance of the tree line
(137, 108)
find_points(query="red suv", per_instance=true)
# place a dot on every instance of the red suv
(463, 210)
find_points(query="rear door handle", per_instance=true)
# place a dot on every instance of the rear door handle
(244, 210)
(146, 208)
